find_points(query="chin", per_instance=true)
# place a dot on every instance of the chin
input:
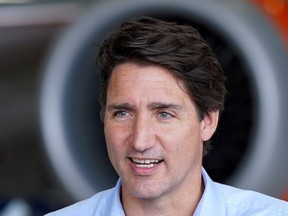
(144, 190)
(146, 195)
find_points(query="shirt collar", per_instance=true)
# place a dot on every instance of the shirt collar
(210, 202)
(115, 207)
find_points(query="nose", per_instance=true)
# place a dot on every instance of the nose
(143, 134)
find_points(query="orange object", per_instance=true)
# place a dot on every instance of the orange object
(277, 11)
(285, 196)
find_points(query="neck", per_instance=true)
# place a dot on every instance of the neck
(181, 201)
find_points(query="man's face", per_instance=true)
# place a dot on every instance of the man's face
(153, 133)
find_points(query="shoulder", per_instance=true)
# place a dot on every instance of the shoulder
(95, 204)
(251, 202)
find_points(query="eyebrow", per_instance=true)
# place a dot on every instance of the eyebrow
(122, 106)
(160, 105)
(152, 106)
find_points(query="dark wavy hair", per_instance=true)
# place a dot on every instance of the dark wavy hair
(178, 48)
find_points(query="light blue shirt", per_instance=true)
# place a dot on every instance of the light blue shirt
(217, 199)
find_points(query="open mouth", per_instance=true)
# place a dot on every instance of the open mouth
(145, 163)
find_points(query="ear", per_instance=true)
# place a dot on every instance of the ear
(209, 124)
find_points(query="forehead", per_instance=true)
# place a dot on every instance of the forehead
(132, 79)
(131, 72)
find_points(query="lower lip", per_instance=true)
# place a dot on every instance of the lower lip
(144, 171)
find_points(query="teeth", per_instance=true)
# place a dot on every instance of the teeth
(149, 162)
(145, 165)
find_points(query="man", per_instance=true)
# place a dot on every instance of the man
(162, 94)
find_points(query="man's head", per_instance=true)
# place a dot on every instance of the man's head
(177, 48)
(162, 91)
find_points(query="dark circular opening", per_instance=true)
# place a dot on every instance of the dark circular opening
(84, 130)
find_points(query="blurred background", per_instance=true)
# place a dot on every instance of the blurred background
(52, 149)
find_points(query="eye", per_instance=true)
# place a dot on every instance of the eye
(120, 114)
(165, 115)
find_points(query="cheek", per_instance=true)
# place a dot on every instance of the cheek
(185, 142)
(114, 149)
(116, 132)
(115, 140)
(111, 142)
